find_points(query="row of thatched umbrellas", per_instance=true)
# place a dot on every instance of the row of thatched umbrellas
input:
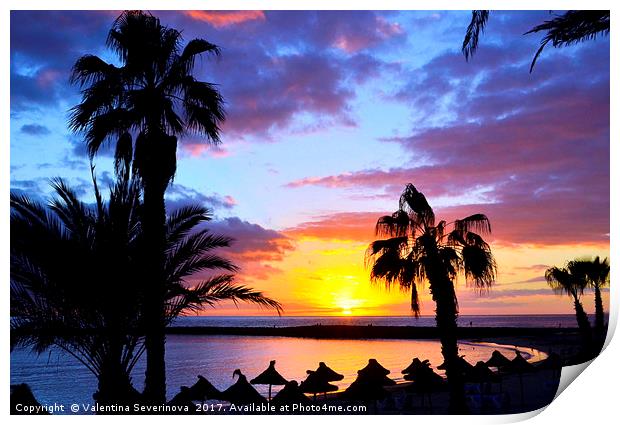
(242, 391)
(369, 385)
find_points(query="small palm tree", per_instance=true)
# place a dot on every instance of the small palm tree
(574, 26)
(419, 250)
(155, 97)
(74, 274)
(572, 280)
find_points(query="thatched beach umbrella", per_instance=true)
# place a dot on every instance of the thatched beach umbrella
(184, 399)
(463, 365)
(414, 366)
(316, 383)
(326, 373)
(291, 393)
(501, 362)
(425, 380)
(520, 366)
(204, 390)
(374, 370)
(270, 376)
(369, 384)
(424, 375)
(365, 390)
(481, 373)
(498, 360)
(241, 392)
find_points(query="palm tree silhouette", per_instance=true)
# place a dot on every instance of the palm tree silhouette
(597, 274)
(74, 274)
(418, 250)
(572, 280)
(72, 282)
(153, 98)
(574, 26)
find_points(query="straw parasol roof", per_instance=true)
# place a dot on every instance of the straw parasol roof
(269, 376)
(373, 369)
(519, 364)
(462, 363)
(316, 383)
(184, 399)
(424, 378)
(290, 394)
(204, 390)
(481, 373)
(326, 373)
(498, 360)
(369, 383)
(422, 373)
(375, 374)
(415, 364)
(241, 392)
(364, 391)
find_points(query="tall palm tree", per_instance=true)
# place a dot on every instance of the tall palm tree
(146, 104)
(574, 26)
(419, 250)
(74, 271)
(572, 280)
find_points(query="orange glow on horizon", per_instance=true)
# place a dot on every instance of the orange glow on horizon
(327, 277)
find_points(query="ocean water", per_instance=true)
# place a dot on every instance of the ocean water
(518, 321)
(57, 377)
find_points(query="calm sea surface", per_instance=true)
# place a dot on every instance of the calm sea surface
(518, 321)
(57, 377)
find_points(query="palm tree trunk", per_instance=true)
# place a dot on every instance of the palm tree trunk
(600, 314)
(584, 325)
(155, 338)
(114, 386)
(446, 315)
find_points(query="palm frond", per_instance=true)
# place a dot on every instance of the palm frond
(411, 272)
(393, 244)
(479, 266)
(91, 69)
(415, 203)
(183, 220)
(197, 47)
(560, 280)
(396, 224)
(123, 155)
(473, 223)
(572, 27)
(476, 26)
(222, 288)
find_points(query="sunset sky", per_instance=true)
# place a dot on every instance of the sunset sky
(330, 114)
